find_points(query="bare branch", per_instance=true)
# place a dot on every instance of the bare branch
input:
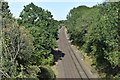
(18, 49)
(5, 74)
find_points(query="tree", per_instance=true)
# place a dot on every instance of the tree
(44, 30)
(96, 30)
(17, 44)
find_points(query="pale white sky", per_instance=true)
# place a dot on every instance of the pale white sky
(59, 9)
(55, 0)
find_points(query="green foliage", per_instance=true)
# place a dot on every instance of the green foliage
(17, 44)
(44, 30)
(5, 10)
(97, 31)
(29, 44)
(46, 73)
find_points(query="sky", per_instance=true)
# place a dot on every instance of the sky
(58, 9)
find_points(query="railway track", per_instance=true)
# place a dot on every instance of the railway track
(70, 65)
(77, 63)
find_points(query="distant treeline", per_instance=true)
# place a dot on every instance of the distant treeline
(96, 31)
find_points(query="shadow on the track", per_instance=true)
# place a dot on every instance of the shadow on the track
(58, 55)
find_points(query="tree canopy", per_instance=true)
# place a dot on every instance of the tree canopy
(27, 43)
(96, 30)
